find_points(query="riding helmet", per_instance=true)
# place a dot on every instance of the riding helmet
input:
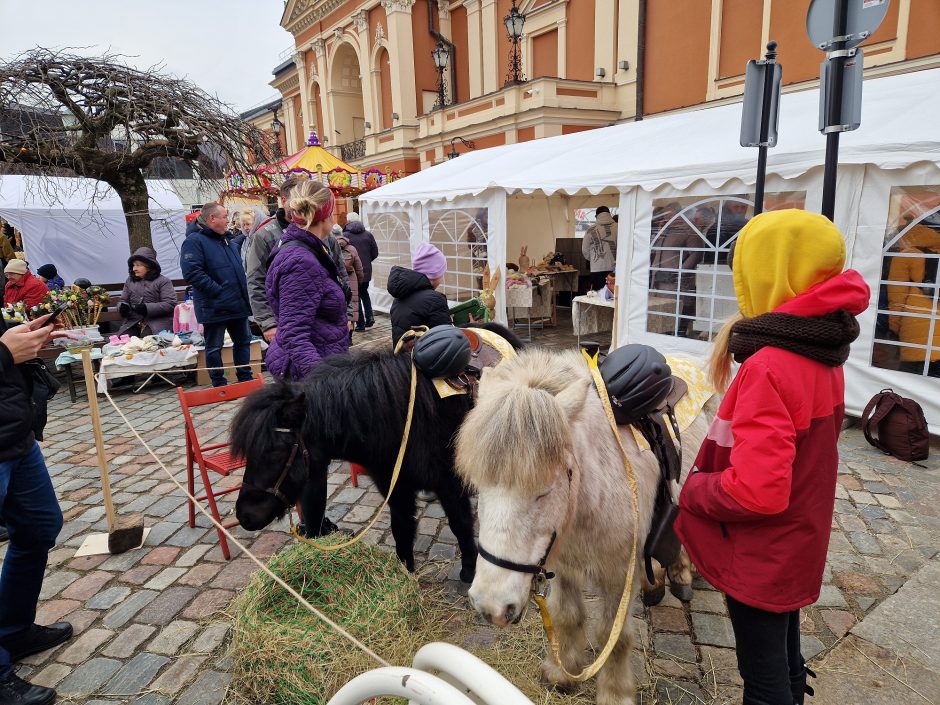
(443, 351)
(638, 379)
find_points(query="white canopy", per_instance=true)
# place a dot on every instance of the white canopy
(898, 128)
(79, 226)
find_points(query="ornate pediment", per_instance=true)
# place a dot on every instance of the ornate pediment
(301, 14)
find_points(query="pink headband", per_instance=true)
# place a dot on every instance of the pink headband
(320, 214)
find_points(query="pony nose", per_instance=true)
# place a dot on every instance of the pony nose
(512, 614)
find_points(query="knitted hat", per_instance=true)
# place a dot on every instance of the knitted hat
(16, 266)
(337, 229)
(778, 255)
(352, 217)
(429, 261)
(48, 271)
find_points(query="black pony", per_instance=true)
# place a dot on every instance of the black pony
(352, 407)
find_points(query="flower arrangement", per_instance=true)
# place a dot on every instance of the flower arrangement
(84, 306)
(18, 312)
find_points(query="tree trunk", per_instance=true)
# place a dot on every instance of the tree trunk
(135, 200)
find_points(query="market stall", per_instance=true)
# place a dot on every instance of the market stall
(683, 188)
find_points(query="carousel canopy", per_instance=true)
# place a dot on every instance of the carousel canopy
(312, 158)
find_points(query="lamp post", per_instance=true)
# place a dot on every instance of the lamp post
(514, 22)
(453, 150)
(440, 55)
(276, 126)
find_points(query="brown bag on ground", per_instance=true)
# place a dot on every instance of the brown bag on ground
(899, 424)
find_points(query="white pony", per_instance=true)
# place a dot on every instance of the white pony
(552, 488)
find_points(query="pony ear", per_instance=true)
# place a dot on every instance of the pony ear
(294, 410)
(572, 398)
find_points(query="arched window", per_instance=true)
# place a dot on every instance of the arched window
(461, 234)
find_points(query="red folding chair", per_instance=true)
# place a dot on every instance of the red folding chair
(214, 457)
(355, 471)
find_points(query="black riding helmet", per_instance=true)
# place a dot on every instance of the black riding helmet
(443, 351)
(638, 379)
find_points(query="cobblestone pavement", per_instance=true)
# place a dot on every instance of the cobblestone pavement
(150, 624)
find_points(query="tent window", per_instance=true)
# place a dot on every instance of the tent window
(461, 234)
(691, 292)
(392, 231)
(907, 330)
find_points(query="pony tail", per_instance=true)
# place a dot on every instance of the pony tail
(719, 364)
(306, 200)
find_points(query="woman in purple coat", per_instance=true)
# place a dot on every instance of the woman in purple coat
(303, 288)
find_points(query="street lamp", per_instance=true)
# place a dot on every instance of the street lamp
(440, 55)
(276, 126)
(514, 22)
(453, 150)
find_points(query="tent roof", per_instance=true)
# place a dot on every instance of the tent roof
(898, 129)
(73, 194)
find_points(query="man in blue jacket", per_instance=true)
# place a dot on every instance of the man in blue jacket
(213, 267)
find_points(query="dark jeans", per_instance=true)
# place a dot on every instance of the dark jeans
(365, 305)
(241, 349)
(313, 505)
(33, 519)
(769, 659)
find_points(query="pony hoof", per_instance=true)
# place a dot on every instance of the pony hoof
(467, 575)
(681, 592)
(653, 597)
(553, 677)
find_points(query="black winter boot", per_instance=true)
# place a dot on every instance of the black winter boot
(16, 691)
(798, 686)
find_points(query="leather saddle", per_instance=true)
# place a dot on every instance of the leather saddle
(482, 355)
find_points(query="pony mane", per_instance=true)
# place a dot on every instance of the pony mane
(518, 430)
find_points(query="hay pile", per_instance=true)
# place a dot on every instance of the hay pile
(284, 655)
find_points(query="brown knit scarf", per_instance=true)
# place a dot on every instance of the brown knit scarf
(822, 338)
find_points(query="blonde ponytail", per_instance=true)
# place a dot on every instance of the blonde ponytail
(719, 364)
(307, 200)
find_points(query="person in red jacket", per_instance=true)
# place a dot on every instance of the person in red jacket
(755, 513)
(22, 285)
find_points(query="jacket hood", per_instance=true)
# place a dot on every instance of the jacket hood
(192, 226)
(342, 240)
(148, 257)
(355, 227)
(780, 255)
(605, 219)
(403, 282)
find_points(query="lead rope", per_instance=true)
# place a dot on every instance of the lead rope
(623, 607)
(395, 472)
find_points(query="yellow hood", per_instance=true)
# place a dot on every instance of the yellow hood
(780, 254)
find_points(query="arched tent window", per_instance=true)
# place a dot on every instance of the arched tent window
(391, 230)
(907, 329)
(691, 292)
(461, 234)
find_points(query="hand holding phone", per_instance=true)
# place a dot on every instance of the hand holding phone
(55, 313)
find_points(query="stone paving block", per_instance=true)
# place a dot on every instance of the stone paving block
(208, 603)
(164, 506)
(200, 575)
(838, 621)
(50, 676)
(56, 582)
(877, 488)
(54, 610)
(81, 620)
(86, 562)
(865, 543)
(829, 596)
(126, 643)
(810, 646)
(192, 556)
(720, 664)
(678, 646)
(135, 674)
(119, 616)
(140, 574)
(161, 555)
(81, 648)
(164, 578)
(708, 601)
(187, 537)
(235, 575)
(124, 561)
(173, 636)
(889, 502)
(873, 512)
(857, 583)
(852, 522)
(166, 606)
(175, 678)
(668, 619)
(269, 543)
(210, 638)
(106, 599)
(208, 689)
(712, 629)
(88, 677)
(441, 551)
(87, 585)
(141, 503)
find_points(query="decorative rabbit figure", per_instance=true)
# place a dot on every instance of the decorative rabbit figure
(488, 295)
(524, 261)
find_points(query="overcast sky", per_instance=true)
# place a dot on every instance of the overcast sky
(228, 47)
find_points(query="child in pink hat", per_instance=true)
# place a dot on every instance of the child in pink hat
(417, 301)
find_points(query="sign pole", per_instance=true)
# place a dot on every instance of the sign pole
(770, 58)
(834, 118)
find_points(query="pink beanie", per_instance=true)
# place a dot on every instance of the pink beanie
(429, 261)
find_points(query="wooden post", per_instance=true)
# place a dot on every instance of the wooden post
(99, 438)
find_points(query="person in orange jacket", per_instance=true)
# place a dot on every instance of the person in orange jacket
(755, 512)
(22, 285)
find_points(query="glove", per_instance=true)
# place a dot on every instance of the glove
(140, 309)
(124, 309)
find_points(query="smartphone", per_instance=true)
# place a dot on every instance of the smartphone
(55, 313)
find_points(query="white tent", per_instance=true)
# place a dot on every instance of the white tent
(80, 227)
(525, 194)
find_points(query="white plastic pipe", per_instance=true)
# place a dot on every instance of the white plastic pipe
(468, 673)
(421, 687)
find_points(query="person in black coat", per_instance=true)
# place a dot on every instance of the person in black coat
(417, 301)
(30, 512)
(368, 250)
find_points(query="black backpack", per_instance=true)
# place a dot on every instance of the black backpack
(900, 426)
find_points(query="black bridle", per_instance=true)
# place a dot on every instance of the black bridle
(298, 446)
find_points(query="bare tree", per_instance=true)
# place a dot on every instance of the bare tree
(63, 114)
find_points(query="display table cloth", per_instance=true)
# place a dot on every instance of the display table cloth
(531, 301)
(144, 363)
(591, 314)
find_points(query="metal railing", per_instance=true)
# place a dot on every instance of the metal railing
(353, 150)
